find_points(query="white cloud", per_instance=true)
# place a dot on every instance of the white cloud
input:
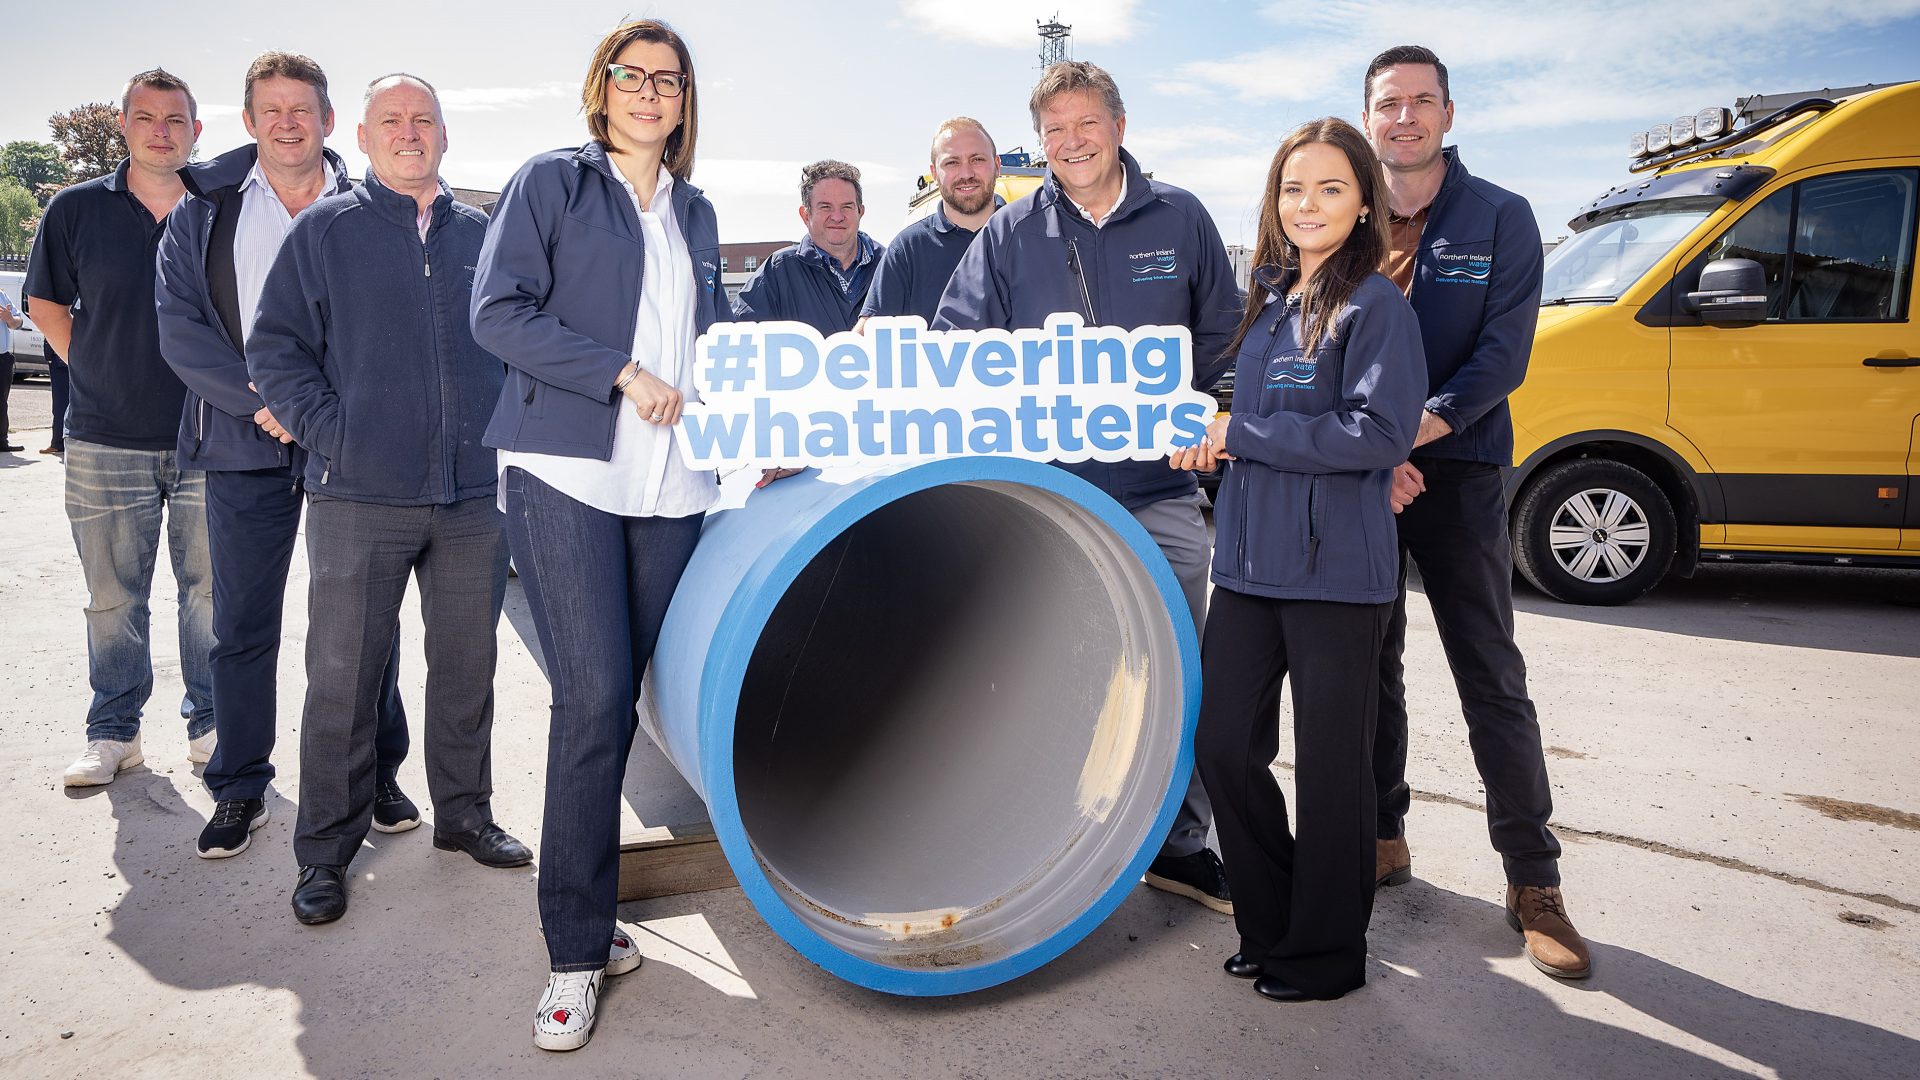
(1011, 23)
(497, 98)
(1524, 66)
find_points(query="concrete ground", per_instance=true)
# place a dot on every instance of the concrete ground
(1735, 772)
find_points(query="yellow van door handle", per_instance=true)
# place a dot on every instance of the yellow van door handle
(1891, 359)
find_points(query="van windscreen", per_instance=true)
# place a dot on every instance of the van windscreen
(1608, 255)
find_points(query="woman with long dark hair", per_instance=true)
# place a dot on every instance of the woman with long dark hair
(1330, 379)
(600, 269)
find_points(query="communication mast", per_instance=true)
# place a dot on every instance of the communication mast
(1054, 36)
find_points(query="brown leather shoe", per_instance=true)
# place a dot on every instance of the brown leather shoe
(1553, 945)
(1392, 862)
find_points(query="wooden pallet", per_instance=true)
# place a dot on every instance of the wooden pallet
(667, 846)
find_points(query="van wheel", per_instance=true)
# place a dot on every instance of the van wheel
(1593, 531)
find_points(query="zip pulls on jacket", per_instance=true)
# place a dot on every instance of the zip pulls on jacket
(1073, 266)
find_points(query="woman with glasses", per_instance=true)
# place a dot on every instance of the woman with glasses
(1330, 380)
(600, 268)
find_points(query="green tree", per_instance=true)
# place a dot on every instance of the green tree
(89, 139)
(19, 217)
(36, 165)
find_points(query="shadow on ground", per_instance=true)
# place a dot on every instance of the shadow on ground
(436, 966)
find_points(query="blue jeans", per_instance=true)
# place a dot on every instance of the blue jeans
(598, 585)
(252, 519)
(117, 502)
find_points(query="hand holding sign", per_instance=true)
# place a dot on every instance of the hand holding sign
(654, 400)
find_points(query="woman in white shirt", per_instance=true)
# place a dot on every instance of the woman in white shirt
(599, 271)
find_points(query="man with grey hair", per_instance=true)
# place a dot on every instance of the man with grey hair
(363, 352)
(822, 280)
(91, 285)
(1074, 246)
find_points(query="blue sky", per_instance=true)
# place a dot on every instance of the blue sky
(1547, 94)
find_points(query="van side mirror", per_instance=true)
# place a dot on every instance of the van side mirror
(1732, 293)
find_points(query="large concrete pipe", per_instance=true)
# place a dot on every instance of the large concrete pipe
(941, 716)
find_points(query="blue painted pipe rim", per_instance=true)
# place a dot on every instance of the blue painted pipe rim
(745, 618)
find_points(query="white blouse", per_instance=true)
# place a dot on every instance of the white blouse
(645, 476)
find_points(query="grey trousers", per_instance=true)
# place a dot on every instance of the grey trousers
(360, 555)
(1178, 527)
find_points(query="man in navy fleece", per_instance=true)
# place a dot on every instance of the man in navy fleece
(1467, 253)
(822, 280)
(1100, 239)
(363, 351)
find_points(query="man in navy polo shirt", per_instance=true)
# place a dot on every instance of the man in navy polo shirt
(91, 283)
(822, 280)
(1101, 239)
(914, 270)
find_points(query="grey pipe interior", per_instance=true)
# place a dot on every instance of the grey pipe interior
(917, 721)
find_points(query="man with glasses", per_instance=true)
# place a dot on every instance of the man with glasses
(822, 280)
(91, 282)
(219, 244)
(363, 351)
(1477, 327)
(1071, 246)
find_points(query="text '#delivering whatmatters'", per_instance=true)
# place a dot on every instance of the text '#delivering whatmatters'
(778, 395)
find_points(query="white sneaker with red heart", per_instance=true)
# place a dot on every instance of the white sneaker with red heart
(623, 955)
(565, 1020)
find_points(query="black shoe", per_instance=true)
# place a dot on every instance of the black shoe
(1198, 876)
(12, 449)
(1271, 988)
(1240, 967)
(392, 810)
(489, 845)
(231, 829)
(321, 895)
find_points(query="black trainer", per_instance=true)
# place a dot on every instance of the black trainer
(392, 810)
(1198, 876)
(231, 829)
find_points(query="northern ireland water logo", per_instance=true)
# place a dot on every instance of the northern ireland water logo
(1292, 372)
(1463, 269)
(1161, 265)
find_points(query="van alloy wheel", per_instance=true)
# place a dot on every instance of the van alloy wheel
(1599, 535)
(1593, 531)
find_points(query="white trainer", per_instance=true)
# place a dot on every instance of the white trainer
(200, 750)
(624, 955)
(565, 1020)
(104, 759)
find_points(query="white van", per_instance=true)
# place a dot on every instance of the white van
(29, 348)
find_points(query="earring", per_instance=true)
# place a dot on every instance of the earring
(1363, 219)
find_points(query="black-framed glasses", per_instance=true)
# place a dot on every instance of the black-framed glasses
(631, 79)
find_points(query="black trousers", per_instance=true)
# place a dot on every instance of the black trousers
(1301, 899)
(1456, 533)
(253, 518)
(6, 390)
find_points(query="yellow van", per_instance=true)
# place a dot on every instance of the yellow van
(1727, 366)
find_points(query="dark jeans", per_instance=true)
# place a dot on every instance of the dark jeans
(598, 585)
(1301, 900)
(252, 519)
(360, 555)
(6, 391)
(1456, 533)
(57, 374)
